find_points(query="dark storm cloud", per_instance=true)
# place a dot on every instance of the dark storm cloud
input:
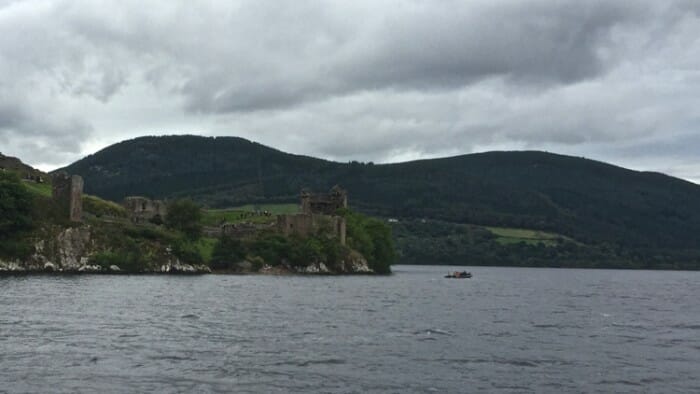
(452, 44)
(421, 45)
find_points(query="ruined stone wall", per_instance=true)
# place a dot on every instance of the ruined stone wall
(309, 224)
(324, 203)
(301, 224)
(243, 230)
(67, 193)
(142, 209)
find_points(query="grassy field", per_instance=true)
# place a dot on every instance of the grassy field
(100, 207)
(515, 235)
(42, 189)
(214, 217)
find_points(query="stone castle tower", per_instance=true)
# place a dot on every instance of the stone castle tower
(67, 192)
(324, 203)
(318, 212)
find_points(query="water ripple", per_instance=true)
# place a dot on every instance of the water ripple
(509, 330)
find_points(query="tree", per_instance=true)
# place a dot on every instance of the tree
(15, 206)
(227, 251)
(372, 238)
(184, 215)
(383, 251)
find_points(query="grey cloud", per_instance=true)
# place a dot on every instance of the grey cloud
(367, 80)
(441, 45)
(260, 57)
(452, 44)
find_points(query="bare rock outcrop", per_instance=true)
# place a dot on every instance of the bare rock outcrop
(11, 267)
(175, 266)
(72, 247)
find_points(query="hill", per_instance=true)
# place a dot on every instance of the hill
(622, 213)
(15, 165)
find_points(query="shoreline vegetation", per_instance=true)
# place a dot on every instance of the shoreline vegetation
(36, 237)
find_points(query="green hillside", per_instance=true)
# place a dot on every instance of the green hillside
(623, 213)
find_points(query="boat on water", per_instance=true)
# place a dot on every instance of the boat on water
(459, 275)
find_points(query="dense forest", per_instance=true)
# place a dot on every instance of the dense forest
(613, 216)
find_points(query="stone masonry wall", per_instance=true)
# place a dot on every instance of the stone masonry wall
(67, 192)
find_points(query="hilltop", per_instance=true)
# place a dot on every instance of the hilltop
(25, 171)
(621, 213)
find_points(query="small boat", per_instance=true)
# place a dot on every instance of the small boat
(459, 275)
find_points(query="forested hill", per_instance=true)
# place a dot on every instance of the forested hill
(589, 201)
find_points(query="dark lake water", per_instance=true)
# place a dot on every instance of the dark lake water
(505, 330)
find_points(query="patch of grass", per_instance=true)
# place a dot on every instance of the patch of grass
(41, 189)
(506, 236)
(100, 207)
(205, 246)
(151, 233)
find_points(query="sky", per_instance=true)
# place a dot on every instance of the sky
(381, 81)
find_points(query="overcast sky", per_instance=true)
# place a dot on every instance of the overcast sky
(384, 81)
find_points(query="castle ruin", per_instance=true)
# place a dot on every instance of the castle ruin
(67, 193)
(142, 209)
(243, 230)
(318, 214)
(324, 203)
(308, 224)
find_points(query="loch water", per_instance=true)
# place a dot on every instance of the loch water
(505, 330)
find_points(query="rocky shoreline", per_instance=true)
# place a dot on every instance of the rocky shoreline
(71, 251)
(179, 268)
(13, 268)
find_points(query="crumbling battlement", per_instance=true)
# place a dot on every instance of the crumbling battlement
(318, 214)
(324, 203)
(67, 193)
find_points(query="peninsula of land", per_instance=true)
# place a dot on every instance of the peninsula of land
(49, 225)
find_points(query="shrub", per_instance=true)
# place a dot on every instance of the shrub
(16, 205)
(227, 252)
(185, 216)
(187, 251)
(372, 238)
(128, 259)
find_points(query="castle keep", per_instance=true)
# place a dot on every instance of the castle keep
(324, 203)
(318, 214)
(67, 193)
